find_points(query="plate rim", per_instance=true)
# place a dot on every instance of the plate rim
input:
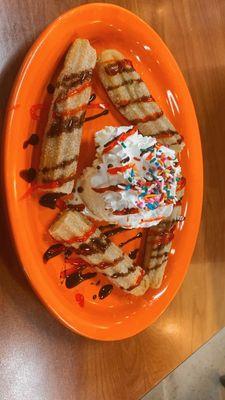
(7, 189)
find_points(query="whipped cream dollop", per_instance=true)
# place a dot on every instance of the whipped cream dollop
(132, 181)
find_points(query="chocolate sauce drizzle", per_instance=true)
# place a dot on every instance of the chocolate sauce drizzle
(28, 175)
(113, 232)
(75, 79)
(133, 254)
(139, 235)
(49, 200)
(95, 245)
(92, 98)
(53, 251)
(96, 116)
(33, 140)
(76, 278)
(105, 291)
(50, 88)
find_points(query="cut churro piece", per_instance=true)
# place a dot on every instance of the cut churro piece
(61, 144)
(133, 99)
(158, 245)
(74, 229)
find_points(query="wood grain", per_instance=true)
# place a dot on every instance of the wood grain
(40, 359)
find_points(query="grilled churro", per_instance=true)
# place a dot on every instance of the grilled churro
(74, 229)
(159, 242)
(133, 99)
(62, 138)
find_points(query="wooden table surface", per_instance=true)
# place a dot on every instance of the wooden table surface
(39, 358)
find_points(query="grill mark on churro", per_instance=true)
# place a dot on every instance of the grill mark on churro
(117, 275)
(169, 134)
(119, 66)
(124, 83)
(157, 266)
(151, 117)
(62, 165)
(109, 264)
(143, 99)
(117, 138)
(69, 112)
(123, 274)
(72, 92)
(61, 180)
(139, 280)
(122, 69)
(160, 255)
(61, 125)
(74, 79)
(159, 247)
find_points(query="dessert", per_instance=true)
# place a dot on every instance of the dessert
(81, 235)
(132, 98)
(132, 181)
(61, 144)
(135, 180)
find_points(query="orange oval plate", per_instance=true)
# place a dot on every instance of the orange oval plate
(106, 26)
